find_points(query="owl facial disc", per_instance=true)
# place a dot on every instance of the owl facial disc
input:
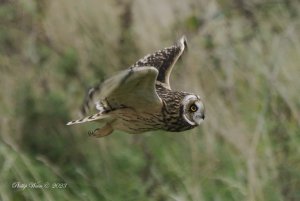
(193, 110)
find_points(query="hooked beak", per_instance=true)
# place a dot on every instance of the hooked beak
(199, 119)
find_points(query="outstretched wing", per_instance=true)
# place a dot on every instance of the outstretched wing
(132, 88)
(164, 60)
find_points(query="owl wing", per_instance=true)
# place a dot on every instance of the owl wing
(132, 88)
(164, 60)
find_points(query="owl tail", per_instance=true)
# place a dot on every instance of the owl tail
(97, 116)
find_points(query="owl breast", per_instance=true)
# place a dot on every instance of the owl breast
(134, 122)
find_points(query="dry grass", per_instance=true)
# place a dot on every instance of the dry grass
(243, 59)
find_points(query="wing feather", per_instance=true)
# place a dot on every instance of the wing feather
(131, 88)
(93, 117)
(164, 60)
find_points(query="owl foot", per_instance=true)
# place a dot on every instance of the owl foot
(101, 132)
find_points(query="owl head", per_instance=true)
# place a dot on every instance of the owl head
(193, 109)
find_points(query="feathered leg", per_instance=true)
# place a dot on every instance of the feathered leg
(101, 132)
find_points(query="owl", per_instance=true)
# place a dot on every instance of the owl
(140, 99)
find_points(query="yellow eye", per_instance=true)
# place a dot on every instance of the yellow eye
(193, 108)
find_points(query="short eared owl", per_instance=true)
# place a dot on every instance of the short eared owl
(140, 98)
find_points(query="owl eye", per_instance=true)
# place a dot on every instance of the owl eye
(193, 108)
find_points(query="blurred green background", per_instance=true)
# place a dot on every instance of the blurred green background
(243, 60)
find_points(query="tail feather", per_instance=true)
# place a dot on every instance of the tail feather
(93, 117)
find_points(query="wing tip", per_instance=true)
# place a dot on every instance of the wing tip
(70, 123)
(183, 42)
(93, 117)
(76, 121)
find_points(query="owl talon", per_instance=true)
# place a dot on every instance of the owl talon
(101, 132)
(92, 133)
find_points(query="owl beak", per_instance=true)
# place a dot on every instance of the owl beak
(199, 119)
(200, 114)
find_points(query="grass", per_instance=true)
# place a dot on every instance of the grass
(243, 60)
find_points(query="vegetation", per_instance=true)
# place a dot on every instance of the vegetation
(243, 59)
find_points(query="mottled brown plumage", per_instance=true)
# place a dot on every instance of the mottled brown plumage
(140, 98)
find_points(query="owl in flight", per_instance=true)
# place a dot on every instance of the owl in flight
(140, 98)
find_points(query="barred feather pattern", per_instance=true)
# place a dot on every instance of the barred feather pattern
(93, 117)
(163, 60)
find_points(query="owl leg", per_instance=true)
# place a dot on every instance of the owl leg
(101, 132)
